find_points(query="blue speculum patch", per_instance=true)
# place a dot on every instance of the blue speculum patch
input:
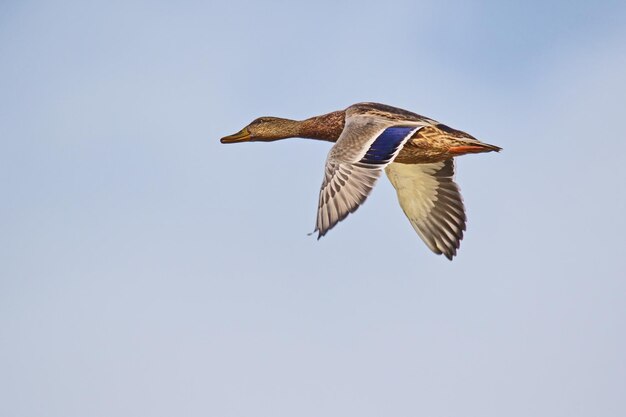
(386, 144)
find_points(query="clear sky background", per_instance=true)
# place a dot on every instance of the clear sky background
(148, 270)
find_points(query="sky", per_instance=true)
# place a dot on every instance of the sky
(147, 269)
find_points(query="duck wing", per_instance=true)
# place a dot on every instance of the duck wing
(365, 147)
(432, 201)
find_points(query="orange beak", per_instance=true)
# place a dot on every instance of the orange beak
(242, 136)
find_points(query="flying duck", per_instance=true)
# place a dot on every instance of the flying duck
(415, 152)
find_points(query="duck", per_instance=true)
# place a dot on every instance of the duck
(416, 153)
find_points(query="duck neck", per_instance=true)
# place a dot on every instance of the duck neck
(326, 127)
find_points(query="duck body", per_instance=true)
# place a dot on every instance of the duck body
(415, 152)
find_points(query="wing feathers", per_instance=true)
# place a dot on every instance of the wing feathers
(345, 188)
(432, 202)
(353, 166)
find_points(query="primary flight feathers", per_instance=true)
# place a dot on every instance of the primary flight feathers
(416, 153)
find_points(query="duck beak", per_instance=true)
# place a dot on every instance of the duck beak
(242, 136)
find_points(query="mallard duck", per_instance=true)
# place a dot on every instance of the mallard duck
(416, 153)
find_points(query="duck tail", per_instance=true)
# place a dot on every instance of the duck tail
(478, 147)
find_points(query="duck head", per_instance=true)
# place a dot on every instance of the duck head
(264, 129)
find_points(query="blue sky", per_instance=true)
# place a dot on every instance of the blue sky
(146, 269)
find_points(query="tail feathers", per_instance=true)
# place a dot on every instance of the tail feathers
(473, 148)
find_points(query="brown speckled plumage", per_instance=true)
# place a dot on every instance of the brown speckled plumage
(326, 127)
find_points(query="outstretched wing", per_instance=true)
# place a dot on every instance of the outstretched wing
(354, 164)
(432, 201)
